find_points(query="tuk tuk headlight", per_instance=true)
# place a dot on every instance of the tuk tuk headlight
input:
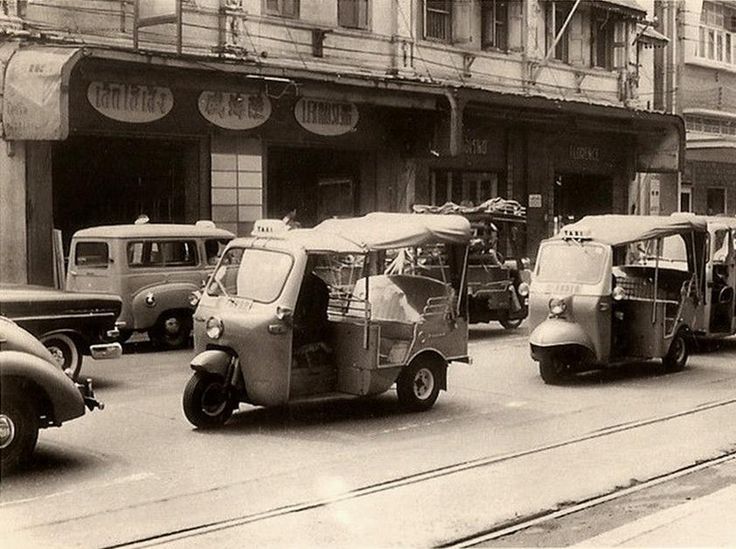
(194, 298)
(618, 293)
(214, 327)
(557, 306)
(523, 289)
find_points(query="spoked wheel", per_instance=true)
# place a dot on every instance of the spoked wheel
(418, 386)
(172, 331)
(207, 402)
(65, 353)
(511, 324)
(676, 358)
(553, 370)
(18, 432)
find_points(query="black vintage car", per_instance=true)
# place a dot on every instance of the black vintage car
(70, 325)
(34, 394)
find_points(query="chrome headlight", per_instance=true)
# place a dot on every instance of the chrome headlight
(557, 306)
(523, 289)
(618, 293)
(214, 327)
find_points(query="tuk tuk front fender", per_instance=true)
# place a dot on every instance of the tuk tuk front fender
(213, 361)
(555, 332)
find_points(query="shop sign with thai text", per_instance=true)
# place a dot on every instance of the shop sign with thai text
(475, 146)
(132, 103)
(325, 117)
(233, 110)
(585, 153)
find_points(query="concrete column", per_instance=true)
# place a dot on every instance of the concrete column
(13, 250)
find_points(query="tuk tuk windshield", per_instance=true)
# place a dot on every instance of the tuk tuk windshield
(571, 261)
(251, 273)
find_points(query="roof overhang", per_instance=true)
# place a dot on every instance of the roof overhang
(626, 7)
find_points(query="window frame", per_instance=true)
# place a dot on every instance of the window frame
(83, 243)
(162, 263)
(608, 32)
(360, 25)
(279, 11)
(446, 11)
(562, 49)
(497, 40)
(725, 199)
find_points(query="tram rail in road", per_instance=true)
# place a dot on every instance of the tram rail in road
(493, 531)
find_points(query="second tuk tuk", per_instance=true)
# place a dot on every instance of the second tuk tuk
(604, 292)
(303, 313)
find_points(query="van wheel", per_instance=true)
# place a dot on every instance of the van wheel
(172, 331)
(418, 386)
(65, 352)
(207, 401)
(676, 358)
(552, 369)
(18, 432)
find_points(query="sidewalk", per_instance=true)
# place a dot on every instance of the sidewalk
(709, 521)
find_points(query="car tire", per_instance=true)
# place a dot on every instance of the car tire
(418, 386)
(676, 358)
(172, 331)
(552, 369)
(206, 401)
(511, 323)
(65, 352)
(18, 432)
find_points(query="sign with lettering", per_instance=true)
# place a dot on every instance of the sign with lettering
(233, 110)
(325, 117)
(133, 103)
(535, 201)
(585, 153)
(36, 98)
(475, 146)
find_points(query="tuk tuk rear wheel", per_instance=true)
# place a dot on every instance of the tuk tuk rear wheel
(676, 358)
(511, 323)
(418, 386)
(18, 432)
(552, 369)
(206, 401)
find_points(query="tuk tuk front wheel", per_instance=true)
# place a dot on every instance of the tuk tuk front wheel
(418, 386)
(18, 432)
(552, 369)
(676, 358)
(206, 401)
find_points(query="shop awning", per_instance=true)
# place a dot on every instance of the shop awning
(648, 35)
(35, 95)
(629, 7)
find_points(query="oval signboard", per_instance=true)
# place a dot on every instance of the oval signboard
(234, 111)
(132, 103)
(325, 117)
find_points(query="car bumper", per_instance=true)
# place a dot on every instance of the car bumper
(104, 351)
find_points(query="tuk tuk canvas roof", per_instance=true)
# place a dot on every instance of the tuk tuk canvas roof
(616, 230)
(384, 231)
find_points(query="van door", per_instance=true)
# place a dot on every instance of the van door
(90, 266)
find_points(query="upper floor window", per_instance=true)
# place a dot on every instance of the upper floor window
(438, 20)
(352, 14)
(716, 34)
(556, 15)
(494, 24)
(602, 43)
(282, 8)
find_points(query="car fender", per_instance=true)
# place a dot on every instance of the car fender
(213, 361)
(169, 296)
(556, 332)
(65, 399)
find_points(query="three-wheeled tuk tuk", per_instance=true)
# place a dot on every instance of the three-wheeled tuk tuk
(604, 292)
(498, 272)
(280, 320)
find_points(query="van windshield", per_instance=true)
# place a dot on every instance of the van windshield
(249, 273)
(581, 263)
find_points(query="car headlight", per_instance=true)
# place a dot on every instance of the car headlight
(557, 306)
(523, 289)
(618, 293)
(214, 327)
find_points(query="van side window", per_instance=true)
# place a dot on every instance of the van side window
(94, 255)
(168, 253)
(213, 248)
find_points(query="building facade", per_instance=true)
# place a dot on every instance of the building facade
(233, 110)
(706, 98)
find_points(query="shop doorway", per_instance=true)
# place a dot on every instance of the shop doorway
(110, 180)
(578, 195)
(317, 183)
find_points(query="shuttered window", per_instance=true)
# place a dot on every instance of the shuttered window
(352, 14)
